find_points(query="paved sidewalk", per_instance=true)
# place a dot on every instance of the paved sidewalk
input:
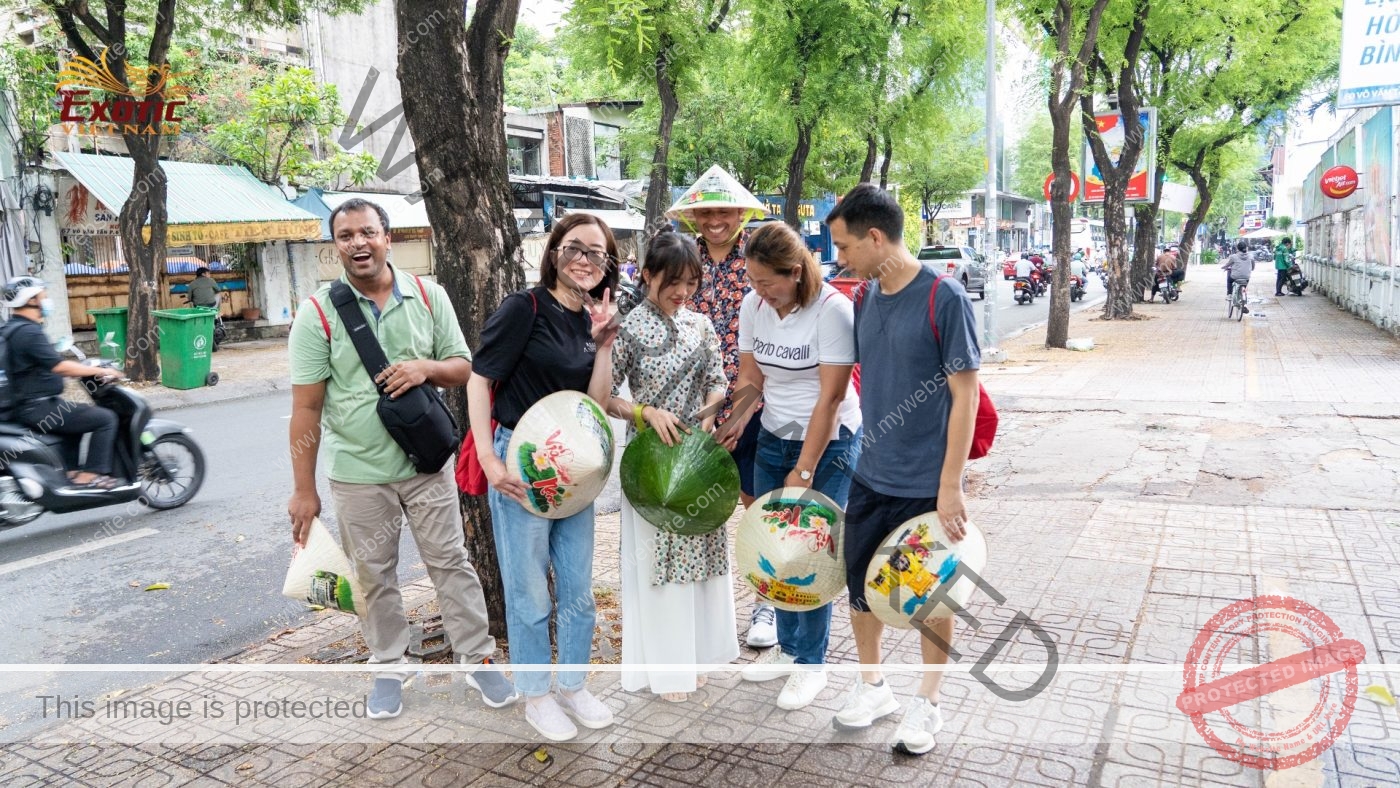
(1185, 463)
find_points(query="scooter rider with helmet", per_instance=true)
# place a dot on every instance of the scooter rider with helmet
(37, 371)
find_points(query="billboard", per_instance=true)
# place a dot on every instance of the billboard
(1370, 62)
(1141, 187)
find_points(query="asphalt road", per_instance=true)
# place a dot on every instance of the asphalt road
(71, 586)
(1013, 318)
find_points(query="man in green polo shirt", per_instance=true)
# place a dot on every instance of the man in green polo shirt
(374, 487)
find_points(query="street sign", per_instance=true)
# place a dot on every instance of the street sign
(1339, 182)
(1368, 75)
(1073, 186)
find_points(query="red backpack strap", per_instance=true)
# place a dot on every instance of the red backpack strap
(325, 324)
(933, 294)
(423, 291)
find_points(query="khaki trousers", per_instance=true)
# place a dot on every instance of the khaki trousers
(371, 517)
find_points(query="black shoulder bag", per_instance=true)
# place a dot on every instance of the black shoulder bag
(418, 420)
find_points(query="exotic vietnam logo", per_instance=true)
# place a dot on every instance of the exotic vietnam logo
(127, 111)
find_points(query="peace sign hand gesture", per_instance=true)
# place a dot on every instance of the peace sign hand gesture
(604, 320)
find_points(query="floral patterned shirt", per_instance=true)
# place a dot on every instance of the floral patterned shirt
(721, 294)
(672, 363)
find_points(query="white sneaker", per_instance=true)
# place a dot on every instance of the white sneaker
(802, 688)
(545, 716)
(921, 721)
(763, 627)
(865, 704)
(586, 709)
(771, 664)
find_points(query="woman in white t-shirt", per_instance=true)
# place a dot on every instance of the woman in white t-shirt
(797, 347)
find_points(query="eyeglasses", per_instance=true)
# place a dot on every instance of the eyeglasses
(600, 260)
(370, 234)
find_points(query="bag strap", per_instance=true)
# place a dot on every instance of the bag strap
(932, 295)
(353, 318)
(424, 292)
(325, 324)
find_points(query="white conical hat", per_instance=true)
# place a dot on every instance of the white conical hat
(917, 558)
(716, 189)
(789, 548)
(562, 449)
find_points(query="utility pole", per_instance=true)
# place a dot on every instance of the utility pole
(990, 349)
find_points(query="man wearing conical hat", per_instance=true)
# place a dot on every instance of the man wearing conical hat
(716, 208)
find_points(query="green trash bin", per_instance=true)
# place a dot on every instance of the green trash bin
(186, 340)
(111, 321)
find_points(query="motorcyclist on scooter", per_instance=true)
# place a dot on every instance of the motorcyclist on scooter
(1024, 269)
(36, 372)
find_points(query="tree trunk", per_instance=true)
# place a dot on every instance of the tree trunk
(1144, 247)
(867, 170)
(1057, 327)
(659, 185)
(147, 203)
(885, 164)
(1198, 214)
(452, 84)
(797, 167)
(1115, 229)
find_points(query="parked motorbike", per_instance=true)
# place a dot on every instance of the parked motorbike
(1167, 287)
(1296, 281)
(1076, 288)
(155, 460)
(1024, 291)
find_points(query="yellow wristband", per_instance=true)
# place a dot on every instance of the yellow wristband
(637, 416)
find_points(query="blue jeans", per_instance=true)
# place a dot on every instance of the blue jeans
(526, 546)
(804, 636)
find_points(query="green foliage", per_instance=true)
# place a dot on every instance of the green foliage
(1237, 182)
(32, 74)
(538, 74)
(1030, 158)
(938, 168)
(276, 134)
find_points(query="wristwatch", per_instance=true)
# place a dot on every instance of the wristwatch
(804, 475)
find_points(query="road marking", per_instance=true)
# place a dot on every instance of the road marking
(69, 552)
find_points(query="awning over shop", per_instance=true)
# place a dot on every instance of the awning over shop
(615, 220)
(403, 215)
(206, 203)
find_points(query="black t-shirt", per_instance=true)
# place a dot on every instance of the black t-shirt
(533, 350)
(31, 363)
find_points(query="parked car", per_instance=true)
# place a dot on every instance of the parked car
(962, 263)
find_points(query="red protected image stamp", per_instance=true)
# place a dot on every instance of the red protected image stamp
(1281, 713)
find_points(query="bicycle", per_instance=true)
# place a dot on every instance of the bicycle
(1239, 297)
(220, 330)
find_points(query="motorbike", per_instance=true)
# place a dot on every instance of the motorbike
(1296, 281)
(1024, 291)
(155, 460)
(1038, 281)
(1076, 288)
(1167, 287)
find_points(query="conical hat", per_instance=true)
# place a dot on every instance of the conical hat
(915, 560)
(716, 189)
(789, 548)
(562, 449)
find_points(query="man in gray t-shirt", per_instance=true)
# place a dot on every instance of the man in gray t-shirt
(919, 399)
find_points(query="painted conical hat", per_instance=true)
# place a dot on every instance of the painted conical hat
(716, 189)
(562, 449)
(913, 561)
(789, 548)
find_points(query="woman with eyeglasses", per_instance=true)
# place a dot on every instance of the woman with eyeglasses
(554, 337)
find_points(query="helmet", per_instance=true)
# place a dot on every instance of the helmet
(19, 290)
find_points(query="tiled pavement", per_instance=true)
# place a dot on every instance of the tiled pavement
(1135, 490)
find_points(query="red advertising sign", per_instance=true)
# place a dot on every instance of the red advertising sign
(1141, 187)
(1073, 186)
(1339, 181)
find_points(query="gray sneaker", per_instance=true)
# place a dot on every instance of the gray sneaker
(385, 700)
(496, 691)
